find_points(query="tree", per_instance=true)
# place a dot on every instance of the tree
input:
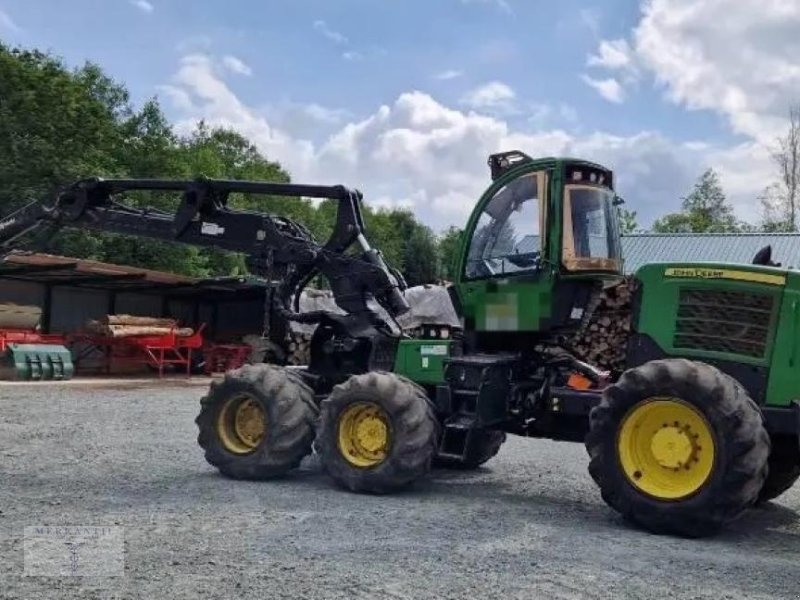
(449, 245)
(781, 199)
(420, 256)
(704, 210)
(58, 125)
(628, 222)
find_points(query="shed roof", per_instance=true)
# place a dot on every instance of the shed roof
(641, 248)
(62, 270)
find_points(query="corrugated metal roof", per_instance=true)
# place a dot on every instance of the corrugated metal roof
(52, 268)
(63, 270)
(642, 248)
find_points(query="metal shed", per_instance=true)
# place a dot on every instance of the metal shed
(71, 291)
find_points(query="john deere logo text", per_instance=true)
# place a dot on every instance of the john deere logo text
(703, 273)
(750, 276)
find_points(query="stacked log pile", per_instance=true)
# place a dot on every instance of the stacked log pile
(603, 340)
(298, 345)
(119, 326)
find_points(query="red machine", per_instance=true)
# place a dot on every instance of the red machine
(26, 336)
(157, 351)
(220, 358)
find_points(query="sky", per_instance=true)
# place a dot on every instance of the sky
(405, 99)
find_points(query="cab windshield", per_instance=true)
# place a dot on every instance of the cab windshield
(507, 238)
(591, 234)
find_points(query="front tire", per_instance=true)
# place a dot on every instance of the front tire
(678, 447)
(257, 423)
(377, 433)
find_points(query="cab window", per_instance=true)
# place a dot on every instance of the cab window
(591, 235)
(507, 238)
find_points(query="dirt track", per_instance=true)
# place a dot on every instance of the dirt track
(530, 525)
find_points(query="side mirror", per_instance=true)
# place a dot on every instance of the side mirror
(764, 257)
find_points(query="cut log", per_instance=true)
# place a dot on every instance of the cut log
(19, 316)
(603, 341)
(120, 331)
(134, 320)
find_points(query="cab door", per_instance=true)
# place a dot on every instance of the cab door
(505, 277)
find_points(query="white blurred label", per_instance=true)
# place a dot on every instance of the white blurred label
(78, 551)
(433, 350)
(211, 229)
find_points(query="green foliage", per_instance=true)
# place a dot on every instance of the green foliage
(628, 222)
(449, 246)
(704, 210)
(58, 125)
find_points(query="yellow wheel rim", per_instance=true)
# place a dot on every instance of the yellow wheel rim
(666, 448)
(241, 424)
(364, 434)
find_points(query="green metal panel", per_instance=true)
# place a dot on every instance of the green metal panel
(422, 361)
(518, 304)
(784, 376)
(39, 361)
(663, 282)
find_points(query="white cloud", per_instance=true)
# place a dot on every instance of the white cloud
(333, 35)
(302, 120)
(352, 55)
(143, 5)
(417, 152)
(540, 114)
(6, 22)
(448, 74)
(612, 54)
(324, 114)
(492, 96)
(609, 88)
(738, 59)
(201, 94)
(237, 65)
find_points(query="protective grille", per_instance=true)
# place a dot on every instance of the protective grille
(724, 321)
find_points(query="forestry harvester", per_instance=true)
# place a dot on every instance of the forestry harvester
(702, 424)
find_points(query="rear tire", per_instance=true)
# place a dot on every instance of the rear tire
(278, 433)
(741, 446)
(483, 446)
(377, 433)
(784, 468)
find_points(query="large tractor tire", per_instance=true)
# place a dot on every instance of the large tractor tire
(377, 433)
(784, 468)
(678, 447)
(257, 423)
(482, 447)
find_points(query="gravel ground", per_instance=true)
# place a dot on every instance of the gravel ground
(531, 524)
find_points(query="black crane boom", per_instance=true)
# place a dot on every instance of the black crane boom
(276, 248)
